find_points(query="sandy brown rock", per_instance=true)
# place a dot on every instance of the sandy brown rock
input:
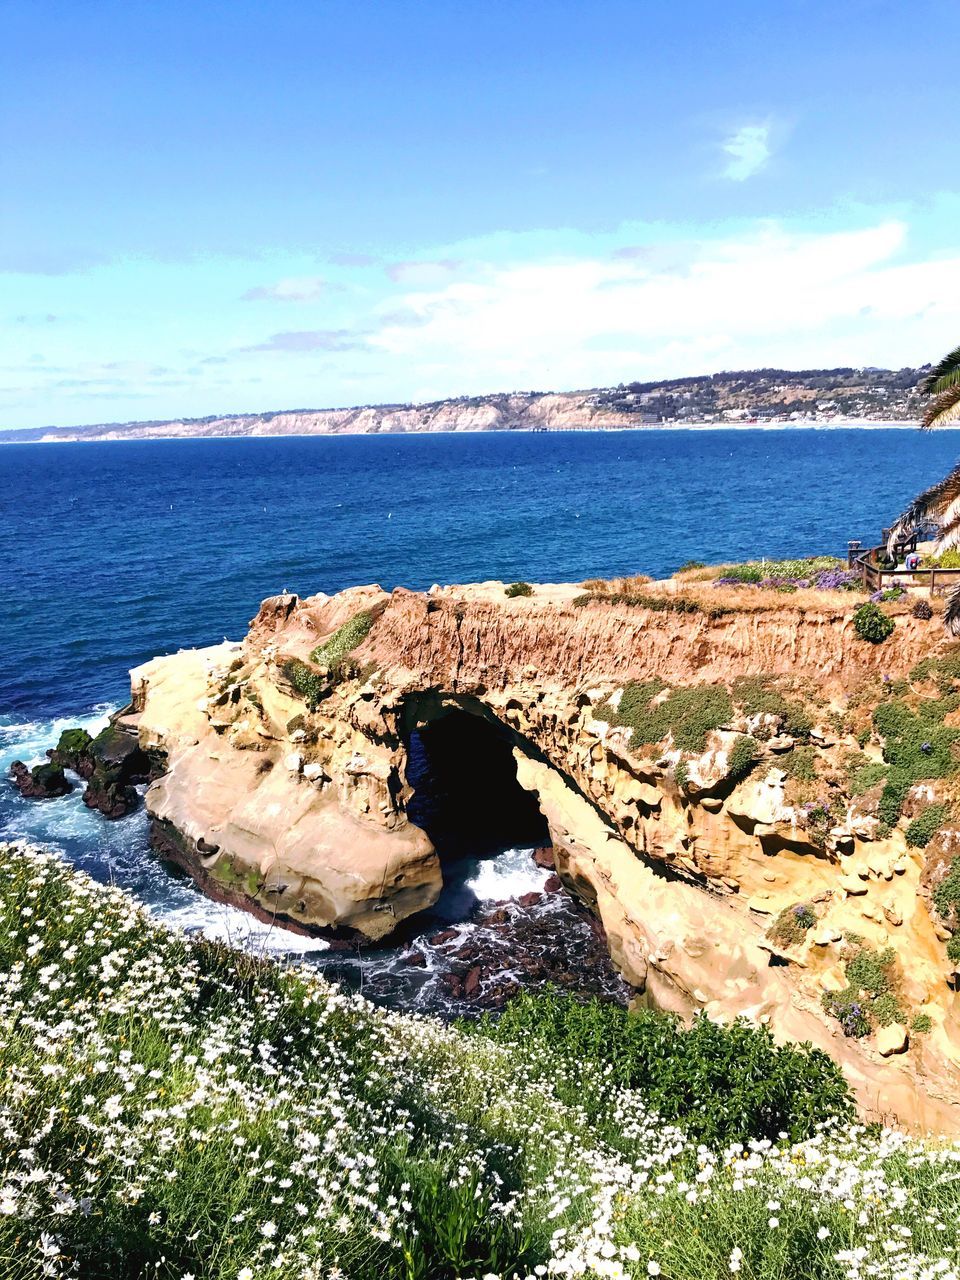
(301, 806)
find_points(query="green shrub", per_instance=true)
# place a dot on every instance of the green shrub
(953, 948)
(944, 671)
(742, 757)
(656, 604)
(758, 695)
(688, 565)
(687, 714)
(343, 641)
(887, 1009)
(869, 970)
(850, 1010)
(518, 589)
(721, 1084)
(946, 896)
(871, 623)
(792, 925)
(819, 820)
(861, 777)
(312, 686)
(800, 764)
(681, 773)
(949, 559)
(918, 747)
(926, 825)
(922, 1023)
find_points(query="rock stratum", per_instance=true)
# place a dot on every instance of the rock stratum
(715, 784)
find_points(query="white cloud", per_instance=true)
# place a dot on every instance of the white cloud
(769, 296)
(292, 289)
(749, 151)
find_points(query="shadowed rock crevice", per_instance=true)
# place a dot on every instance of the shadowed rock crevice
(466, 795)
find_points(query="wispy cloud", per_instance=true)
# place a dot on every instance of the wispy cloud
(31, 320)
(748, 150)
(292, 289)
(765, 296)
(422, 274)
(299, 340)
(353, 260)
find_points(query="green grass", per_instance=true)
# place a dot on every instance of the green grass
(754, 571)
(172, 1108)
(656, 604)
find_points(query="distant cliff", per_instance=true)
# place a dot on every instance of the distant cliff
(761, 395)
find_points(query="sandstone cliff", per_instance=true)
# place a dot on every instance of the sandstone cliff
(715, 781)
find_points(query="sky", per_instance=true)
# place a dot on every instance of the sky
(213, 208)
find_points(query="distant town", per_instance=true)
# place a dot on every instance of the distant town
(767, 397)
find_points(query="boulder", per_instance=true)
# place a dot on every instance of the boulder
(892, 1039)
(42, 782)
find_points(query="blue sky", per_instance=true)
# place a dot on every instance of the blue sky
(211, 207)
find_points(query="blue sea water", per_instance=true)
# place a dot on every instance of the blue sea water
(111, 553)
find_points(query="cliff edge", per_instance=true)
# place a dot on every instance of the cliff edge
(753, 799)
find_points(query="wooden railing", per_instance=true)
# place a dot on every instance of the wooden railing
(877, 573)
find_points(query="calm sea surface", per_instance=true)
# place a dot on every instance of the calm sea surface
(111, 553)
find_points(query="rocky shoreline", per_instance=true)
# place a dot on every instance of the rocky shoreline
(698, 770)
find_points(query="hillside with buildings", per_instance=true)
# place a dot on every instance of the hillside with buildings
(841, 396)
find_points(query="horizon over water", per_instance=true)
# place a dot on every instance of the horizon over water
(113, 555)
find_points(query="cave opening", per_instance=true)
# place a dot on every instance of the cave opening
(466, 796)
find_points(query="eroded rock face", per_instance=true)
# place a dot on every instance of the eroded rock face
(286, 789)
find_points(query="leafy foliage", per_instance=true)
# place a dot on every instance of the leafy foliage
(864, 774)
(754, 571)
(343, 641)
(792, 925)
(759, 695)
(871, 997)
(917, 745)
(656, 604)
(687, 715)
(518, 589)
(946, 896)
(312, 686)
(871, 623)
(743, 756)
(926, 825)
(800, 764)
(722, 1084)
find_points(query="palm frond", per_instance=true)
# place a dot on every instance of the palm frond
(944, 375)
(951, 614)
(930, 506)
(943, 408)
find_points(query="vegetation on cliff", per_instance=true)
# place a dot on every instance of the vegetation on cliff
(172, 1109)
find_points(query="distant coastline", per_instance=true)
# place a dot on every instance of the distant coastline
(10, 437)
(759, 399)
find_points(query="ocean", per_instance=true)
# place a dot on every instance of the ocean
(115, 552)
